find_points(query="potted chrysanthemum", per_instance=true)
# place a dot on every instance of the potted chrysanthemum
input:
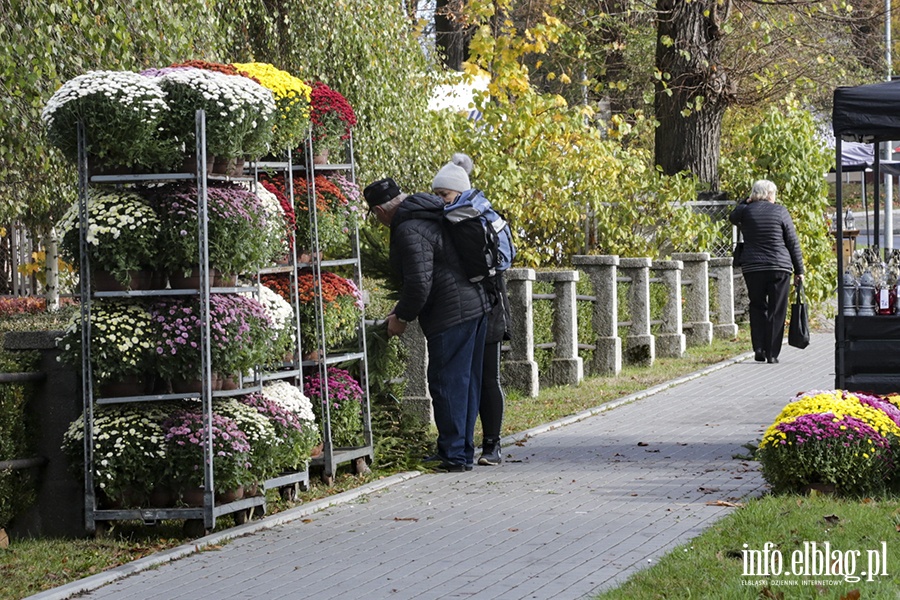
(122, 346)
(239, 238)
(130, 453)
(291, 101)
(122, 113)
(332, 119)
(122, 237)
(830, 440)
(284, 329)
(344, 398)
(185, 436)
(292, 416)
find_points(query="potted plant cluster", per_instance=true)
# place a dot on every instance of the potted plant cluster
(122, 237)
(122, 113)
(130, 451)
(240, 239)
(240, 112)
(341, 301)
(291, 101)
(345, 397)
(332, 119)
(154, 453)
(240, 336)
(123, 341)
(832, 440)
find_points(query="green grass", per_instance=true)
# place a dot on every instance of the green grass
(711, 566)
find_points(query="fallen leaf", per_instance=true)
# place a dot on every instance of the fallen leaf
(851, 595)
(513, 529)
(643, 444)
(709, 490)
(725, 503)
(406, 518)
(832, 519)
(306, 520)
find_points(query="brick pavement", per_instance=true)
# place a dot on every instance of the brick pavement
(576, 507)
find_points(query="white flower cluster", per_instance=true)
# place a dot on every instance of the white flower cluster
(227, 96)
(280, 311)
(123, 87)
(290, 398)
(110, 214)
(255, 425)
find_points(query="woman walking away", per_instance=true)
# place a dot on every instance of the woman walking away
(452, 184)
(771, 253)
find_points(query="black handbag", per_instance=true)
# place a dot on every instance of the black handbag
(736, 254)
(798, 329)
(738, 249)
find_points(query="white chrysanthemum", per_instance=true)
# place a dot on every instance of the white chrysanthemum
(290, 398)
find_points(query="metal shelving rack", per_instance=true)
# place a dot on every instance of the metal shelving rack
(287, 483)
(196, 518)
(363, 455)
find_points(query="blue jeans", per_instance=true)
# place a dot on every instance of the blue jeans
(454, 379)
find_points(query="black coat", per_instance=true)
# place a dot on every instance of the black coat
(770, 240)
(434, 287)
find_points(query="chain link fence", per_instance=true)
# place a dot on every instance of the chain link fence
(726, 233)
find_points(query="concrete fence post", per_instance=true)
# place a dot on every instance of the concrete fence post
(520, 370)
(566, 367)
(601, 271)
(640, 347)
(721, 272)
(696, 297)
(416, 398)
(670, 340)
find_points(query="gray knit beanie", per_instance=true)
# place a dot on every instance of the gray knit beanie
(455, 174)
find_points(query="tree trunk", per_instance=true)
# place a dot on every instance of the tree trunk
(450, 34)
(694, 92)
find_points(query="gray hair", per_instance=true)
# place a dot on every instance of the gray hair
(763, 189)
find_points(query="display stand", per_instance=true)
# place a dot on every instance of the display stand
(866, 347)
(287, 483)
(197, 519)
(332, 456)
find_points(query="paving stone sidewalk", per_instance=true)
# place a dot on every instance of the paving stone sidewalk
(576, 507)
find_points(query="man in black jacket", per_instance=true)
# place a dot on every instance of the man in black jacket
(451, 311)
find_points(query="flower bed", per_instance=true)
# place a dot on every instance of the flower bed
(835, 438)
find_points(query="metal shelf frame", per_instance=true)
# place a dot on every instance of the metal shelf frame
(210, 510)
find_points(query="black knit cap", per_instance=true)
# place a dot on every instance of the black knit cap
(381, 191)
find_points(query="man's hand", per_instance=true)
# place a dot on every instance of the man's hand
(394, 325)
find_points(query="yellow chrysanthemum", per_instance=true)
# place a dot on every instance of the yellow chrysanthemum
(292, 97)
(837, 402)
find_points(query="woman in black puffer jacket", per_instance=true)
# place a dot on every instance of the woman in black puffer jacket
(771, 253)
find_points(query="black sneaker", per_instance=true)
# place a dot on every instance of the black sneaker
(490, 455)
(450, 468)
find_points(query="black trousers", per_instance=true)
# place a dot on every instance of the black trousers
(492, 396)
(768, 292)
